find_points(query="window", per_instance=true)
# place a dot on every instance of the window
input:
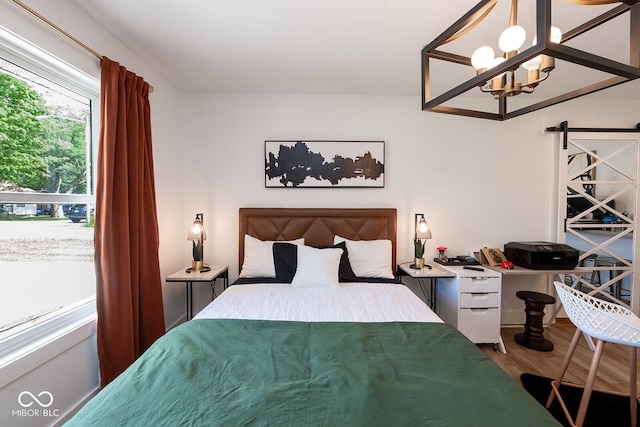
(48, 116)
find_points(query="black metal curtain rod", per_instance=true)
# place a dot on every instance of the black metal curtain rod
(565, 129)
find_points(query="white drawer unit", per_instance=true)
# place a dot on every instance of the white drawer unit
(470, 301)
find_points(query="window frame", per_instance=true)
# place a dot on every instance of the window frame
(26, 55)
(21, 352)
(20, 348)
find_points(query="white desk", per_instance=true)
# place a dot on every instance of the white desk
(521, 271)
(528, 271)
(470, 298)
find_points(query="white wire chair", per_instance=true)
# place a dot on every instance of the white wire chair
(606, 322)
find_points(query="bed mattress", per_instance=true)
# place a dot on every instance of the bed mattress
(352, 302)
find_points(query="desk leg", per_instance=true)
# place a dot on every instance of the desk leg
(225, 280)
(574, 284)
(225, 284)
(189, 300)
(431, 295)
(501, 346)
(213, 288)
(551, 290)
(434, 293)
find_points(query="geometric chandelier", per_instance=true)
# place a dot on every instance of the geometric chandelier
(518, 69)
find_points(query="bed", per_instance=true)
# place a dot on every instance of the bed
(314, 349)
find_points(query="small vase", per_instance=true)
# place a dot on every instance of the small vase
(196, 266)
(418, 262)
(442, 256)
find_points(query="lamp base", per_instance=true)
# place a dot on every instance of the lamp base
(197, 266)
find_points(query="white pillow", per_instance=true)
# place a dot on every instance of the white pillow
(369, 258)
(317, 268)
(258, 257)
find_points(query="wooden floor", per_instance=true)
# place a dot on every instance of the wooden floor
(613, 373)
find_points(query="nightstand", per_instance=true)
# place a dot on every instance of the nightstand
(424, 275)
(206, 276)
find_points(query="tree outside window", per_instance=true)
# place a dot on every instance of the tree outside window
(45, 172)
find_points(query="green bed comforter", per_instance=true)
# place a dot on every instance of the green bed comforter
(222, 372)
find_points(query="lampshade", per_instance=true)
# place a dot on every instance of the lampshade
(196, 231)
(422, 230)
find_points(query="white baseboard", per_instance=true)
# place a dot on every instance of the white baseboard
(179, 321)
(72, 411)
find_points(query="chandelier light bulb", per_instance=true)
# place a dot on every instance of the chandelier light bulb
(556, 35)
(497, 61)
(482, 57)
(533, 63)
(512, 38)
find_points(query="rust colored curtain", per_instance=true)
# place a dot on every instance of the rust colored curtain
(128, 283)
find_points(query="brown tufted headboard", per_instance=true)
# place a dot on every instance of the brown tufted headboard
(317, 225)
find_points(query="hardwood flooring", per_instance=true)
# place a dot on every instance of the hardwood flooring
(613, 373)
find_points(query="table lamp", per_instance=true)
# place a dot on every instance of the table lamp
(420, 236)
(197, 235)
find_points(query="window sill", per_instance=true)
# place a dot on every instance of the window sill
(27, 350)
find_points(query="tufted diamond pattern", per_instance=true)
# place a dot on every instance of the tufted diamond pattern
(317, 225)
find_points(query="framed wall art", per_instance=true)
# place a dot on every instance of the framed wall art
(324, 164)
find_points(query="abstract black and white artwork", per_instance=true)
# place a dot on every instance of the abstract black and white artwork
(322, 164)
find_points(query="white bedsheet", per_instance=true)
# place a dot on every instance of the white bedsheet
(352, 302)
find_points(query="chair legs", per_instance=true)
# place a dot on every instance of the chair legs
(586, 394)
(588, 388)
(555, 384)
(633, 386)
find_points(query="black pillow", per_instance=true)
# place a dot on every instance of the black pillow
(285, 260)
(345, 272)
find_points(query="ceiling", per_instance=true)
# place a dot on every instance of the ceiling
(363, 47)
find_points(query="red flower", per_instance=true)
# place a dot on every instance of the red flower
(441, 248)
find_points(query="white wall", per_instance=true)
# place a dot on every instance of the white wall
(478, 182)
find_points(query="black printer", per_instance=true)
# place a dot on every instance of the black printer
(542, 255)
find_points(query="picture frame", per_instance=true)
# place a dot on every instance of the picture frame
(492, 256)
(324, 164)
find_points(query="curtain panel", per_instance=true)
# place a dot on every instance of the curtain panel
(128, 282)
